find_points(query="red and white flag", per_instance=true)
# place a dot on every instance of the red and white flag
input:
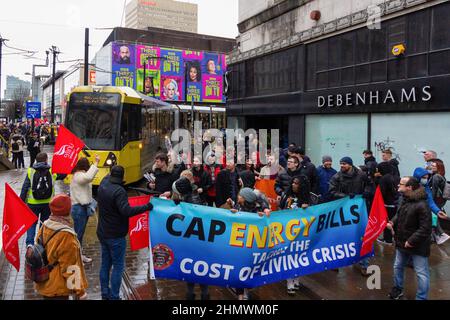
(17, 219)
(376, 224)
(67, 148)
(138, 225)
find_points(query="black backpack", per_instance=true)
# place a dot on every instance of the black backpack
(42, 185)
(15, 146)
(37, 268)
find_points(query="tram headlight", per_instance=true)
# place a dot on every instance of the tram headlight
(111, 160)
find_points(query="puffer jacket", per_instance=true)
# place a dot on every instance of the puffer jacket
(284, 180)
(343, 184)
(64, 250)
(412, 223)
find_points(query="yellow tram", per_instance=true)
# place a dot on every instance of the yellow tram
(127, 128)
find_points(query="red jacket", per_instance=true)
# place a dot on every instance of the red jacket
(212, 171)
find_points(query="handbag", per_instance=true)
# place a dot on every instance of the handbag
(91, 208)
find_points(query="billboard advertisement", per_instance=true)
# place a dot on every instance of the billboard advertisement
(170, 74)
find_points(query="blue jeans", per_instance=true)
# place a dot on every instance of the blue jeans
(37, 209)
(422, 271)
(113, 256)
(80, 219)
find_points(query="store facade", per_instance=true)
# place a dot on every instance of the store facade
(342, 94)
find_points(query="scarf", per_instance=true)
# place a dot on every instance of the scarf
(63, 220)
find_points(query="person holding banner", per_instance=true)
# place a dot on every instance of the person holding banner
(112, 229)
(246, 202)
(349, 182)
(296, 197)
(183, 187)
(412, 225)
(201, 178)
(212, 169)
(284, 180)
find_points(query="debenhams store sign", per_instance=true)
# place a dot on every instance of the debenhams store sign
(375, 97)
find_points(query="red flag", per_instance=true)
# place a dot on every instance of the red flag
(138, 225)
(67, 148)
(376, 224)
(17, 219)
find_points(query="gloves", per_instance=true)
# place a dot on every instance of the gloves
(351, 195)
(149, 206)
(177, 201)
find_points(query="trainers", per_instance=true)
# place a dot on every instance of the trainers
(86, 259)
(396, 293)
(440, 239)
(291, 291)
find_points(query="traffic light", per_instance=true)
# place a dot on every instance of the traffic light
(18, 113)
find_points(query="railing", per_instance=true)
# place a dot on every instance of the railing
(3, 150)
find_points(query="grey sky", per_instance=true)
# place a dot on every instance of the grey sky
(37, 25)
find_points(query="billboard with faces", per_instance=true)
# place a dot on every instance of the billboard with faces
(170, 74)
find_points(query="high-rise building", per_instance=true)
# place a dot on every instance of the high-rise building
(13, 84)
(166, 14)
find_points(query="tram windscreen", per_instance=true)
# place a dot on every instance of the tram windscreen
(93, 117)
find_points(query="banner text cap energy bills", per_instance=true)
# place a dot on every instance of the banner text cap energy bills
(214, 246)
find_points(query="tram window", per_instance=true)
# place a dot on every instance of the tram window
(130, 128)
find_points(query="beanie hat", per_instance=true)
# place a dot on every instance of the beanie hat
(183, 186)
(117, 174)
(347, 160)
(326, 159)
(61, 205)
(248, 195)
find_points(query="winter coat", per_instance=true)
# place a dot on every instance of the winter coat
(437, 184)
(223, 186)
(63, 251)
(394, 163)
(248, 178)
(17, 138)
(371, 165)
(164, 179)
(343, 184)
(308, 169)
(388, 188)
(81, 186)
(114, 210)
(212, 172)
(324, 175)
(412, 223)
(34, 146)
(284, 180)
(303, 197)
(202, 180)
(418, 174)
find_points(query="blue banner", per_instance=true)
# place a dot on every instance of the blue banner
(242, 250)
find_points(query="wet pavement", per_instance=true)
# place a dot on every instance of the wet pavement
(346, 284)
